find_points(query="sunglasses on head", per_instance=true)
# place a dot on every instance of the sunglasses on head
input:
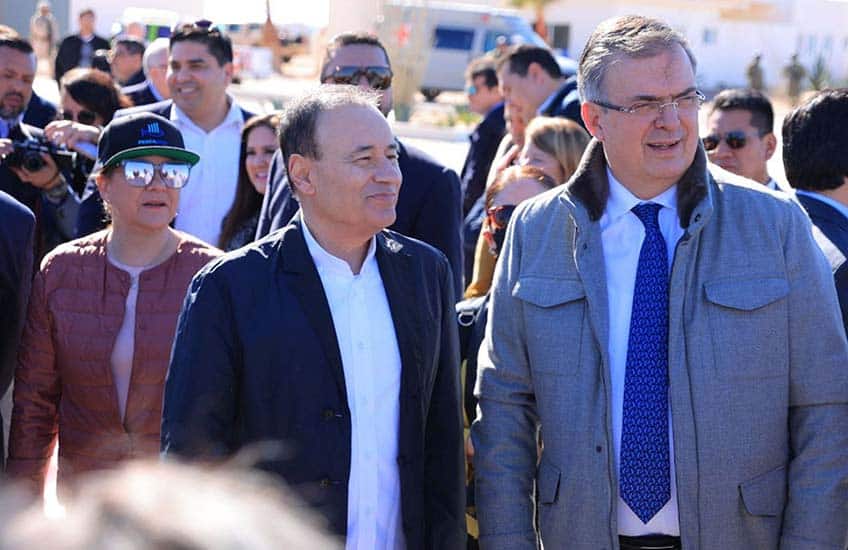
(84, 116)
(379, 78)
(139, 173)
(735, 140)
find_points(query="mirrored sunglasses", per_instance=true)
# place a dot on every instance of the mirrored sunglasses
(379, 78)
(735, 140)
(139, 173)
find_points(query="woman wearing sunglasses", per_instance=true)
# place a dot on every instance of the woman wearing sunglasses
(258, 144)
(102, 314)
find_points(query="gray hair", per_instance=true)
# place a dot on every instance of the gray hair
(632, 36)
(154, 50)
(299, 119)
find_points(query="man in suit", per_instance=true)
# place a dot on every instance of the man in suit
(17, 226)
(78, 50)
(814, 145)
(429, 206)
(335, 339)
(674, 338)
(740, 135)
(533, 84)
(155, 86)
(485, 99)
(125, 60)
(45, 190)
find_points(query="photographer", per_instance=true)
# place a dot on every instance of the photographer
(43, 189)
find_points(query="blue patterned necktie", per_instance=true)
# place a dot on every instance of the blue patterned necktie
(644, 466)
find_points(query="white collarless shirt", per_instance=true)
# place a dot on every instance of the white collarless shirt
(372, 370)
(211, 187)
(622, 234)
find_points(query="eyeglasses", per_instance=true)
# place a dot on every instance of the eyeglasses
(653, 109)
(736, 139)
(84, 116)
(471, 90)
(139, 173)
(497, 217)
(379, 78)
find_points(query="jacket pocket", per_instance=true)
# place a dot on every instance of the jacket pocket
(554, 313)
(548, 482)
(739, 307)
(765, 495)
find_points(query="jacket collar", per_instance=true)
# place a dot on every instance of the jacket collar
(589, 184)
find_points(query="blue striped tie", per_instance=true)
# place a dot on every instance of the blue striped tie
(644, 466)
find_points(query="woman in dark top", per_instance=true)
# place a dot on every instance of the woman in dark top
(258, 143)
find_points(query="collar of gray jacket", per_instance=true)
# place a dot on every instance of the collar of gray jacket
(590, 184)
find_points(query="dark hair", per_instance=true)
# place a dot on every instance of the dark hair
(518, 59)
(815, 138)
(248, 200)
(484, 67)
(351, 39)
(299, 120)
(133, 45)
(750, 100)
(219, 44)
(15, 41)
(96, 91)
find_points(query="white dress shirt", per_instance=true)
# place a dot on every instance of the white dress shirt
(372, 369)
(622, 234)
(211, 188)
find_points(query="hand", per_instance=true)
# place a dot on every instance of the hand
(44, 178)
(71, 134)
(6, 147)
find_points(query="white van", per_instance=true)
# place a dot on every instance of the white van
(463, 32)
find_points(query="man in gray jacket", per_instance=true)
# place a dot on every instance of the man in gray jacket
(675, 336)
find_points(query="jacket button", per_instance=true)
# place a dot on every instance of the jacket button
(328, 414)
(324, 483)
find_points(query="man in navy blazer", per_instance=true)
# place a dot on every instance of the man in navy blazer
(334, 339)
(814, 143)
(429, 206)
(17, 225)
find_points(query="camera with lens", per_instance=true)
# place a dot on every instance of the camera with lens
(27, 155)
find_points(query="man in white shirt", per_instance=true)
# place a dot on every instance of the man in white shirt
(335, 338)
(200, 69)
(676, 340)
(740, 135)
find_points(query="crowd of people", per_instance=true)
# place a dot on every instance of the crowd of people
(609, 330)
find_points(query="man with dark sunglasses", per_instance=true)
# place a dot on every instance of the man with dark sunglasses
(740, 135)
(429, 204)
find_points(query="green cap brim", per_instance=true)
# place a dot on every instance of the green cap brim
(174, 153)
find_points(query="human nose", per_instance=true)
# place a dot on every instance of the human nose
(668, 114)
(389, 172)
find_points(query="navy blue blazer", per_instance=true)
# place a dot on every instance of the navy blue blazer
(256, 359)
(39, 112)
(140, 94)
(428, 207)
(833, 240)
(484, 144)
(17, 228)
(566, 103)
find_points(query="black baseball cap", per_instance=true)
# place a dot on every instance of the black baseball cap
(141, 134)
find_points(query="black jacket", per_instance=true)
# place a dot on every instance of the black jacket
(39, 112)
(256, 359)
(484, 144)
(566, 103)
(69, 54)
(428, 208)
(832, 238)
(140, 94)
(17, 228)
